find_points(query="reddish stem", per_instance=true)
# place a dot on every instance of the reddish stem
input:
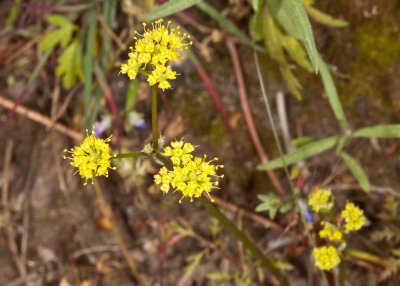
(249, 117)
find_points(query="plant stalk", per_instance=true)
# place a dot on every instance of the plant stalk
(107, 213)
(213, 210)
(154, 118)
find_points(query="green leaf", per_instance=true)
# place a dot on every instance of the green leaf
(69, 64)
(325, 18)
(296, 51)
(257, 5)
(272, 39)
(226, 23)
(333, 97)
(270, 203)
(169, 8)
(301, 141)
(380, 131)
(357, 171)
(255, 26)
(293, 18)
(306, 151)
(61, 36)
(193, 264)
(292, 82)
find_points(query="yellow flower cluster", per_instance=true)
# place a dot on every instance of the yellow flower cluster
(190, 175)
(330, 231)
(92, 157)
(353, 216)
(321, 200)
(153, 50)
(352, 219)
(326, 257)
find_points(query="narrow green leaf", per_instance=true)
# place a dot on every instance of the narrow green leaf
(301, 141)
(293, 18)
(325, 18)
(226, 23)
(380, 131)
(169, 8)
(296, 52)
(333, 97)
(306, 151)
(357, 171)
(193, 264)
(88, 63)
(292, 82)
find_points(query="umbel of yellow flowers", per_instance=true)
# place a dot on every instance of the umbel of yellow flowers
(152, 52)
(92, 157)
(190, 175)
(352, 219)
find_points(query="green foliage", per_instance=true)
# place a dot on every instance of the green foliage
(293, 18)
(379, 131)
(194, 262)
(302, 153)
(60, 36)
(169, 8)
(321, 17)
(69, 64)
(272, 203)
(357, 171)
(333, 96)
(69, 61)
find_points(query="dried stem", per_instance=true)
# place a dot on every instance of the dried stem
(107, 212)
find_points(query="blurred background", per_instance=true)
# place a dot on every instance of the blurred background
(59, 76)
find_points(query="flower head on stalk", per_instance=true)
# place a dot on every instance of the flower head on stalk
(321, 200)
(353, 217)
(326, 257)
(152, 52)
(190, 175)
(92, 157)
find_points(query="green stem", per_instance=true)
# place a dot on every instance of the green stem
(154, 119)
(212, 209)
(167, 162)
(129, 155)
(366, 256)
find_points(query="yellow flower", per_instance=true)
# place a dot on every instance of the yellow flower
(190, 175)
(330, 231)
(353, 217)
(326, 257)
(92, 157)
(153, 50)
(321, 200)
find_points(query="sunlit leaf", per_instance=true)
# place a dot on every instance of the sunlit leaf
(60, 36)
(306, 151)
(293, 18)
(296, 51)
(169, 8)
(69, 64)
(325, 18)
(357, 171)
(333, 97)
(380, 131)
